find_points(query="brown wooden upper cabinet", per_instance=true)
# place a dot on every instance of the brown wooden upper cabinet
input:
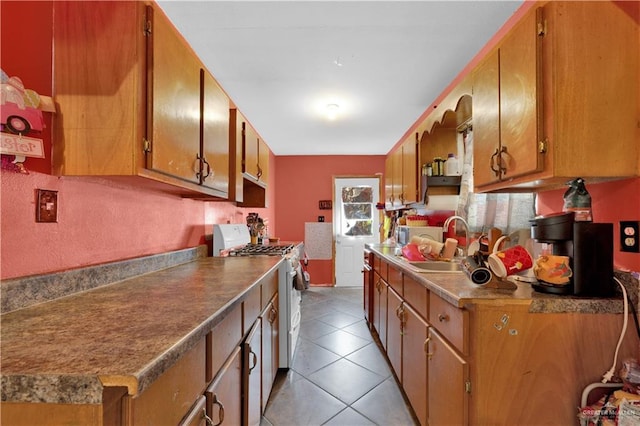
(401, 174)
(135, 101)
(255, 165)
(256, 156)
(506, 91)
(555, 95)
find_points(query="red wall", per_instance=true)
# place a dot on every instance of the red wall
(98, 221)
(302, 181)
(611, 202)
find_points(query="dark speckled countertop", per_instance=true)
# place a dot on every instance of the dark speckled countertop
(459, 290)
(121, 334)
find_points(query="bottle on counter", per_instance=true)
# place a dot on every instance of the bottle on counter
(451, 166)
(438, 166)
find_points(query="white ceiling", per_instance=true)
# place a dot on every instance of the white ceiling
(383, 62)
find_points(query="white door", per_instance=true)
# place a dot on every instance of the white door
(356, 222)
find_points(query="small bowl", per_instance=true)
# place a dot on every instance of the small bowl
(274, 240)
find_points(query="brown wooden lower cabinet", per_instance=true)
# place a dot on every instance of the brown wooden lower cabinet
(492, 361)
(380, 309)
(448, 375)
(170, 397)
(270, 348)
(252, 374)
(197, 416)
(414, 358)
(224, 395)
(395, 324)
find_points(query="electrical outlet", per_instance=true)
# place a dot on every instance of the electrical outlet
(629, 238)
(47, 206)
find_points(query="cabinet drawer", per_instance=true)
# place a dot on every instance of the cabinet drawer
(395, 280)
(269, 288)
(222, 340)
(196, 416)
(380, 267)
(416, 295)
(450, 321)
(170, 397)
(251, 308)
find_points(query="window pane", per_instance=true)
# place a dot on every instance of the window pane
(361, 227)
(357, 194)
(357, 211)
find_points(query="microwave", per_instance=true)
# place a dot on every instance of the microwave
(405, 233)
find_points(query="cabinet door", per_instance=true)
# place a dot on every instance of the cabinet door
(252, 374)
(414, 362)
(600, 40)
(447, 378)
(250, 151)
(410, 170)
(367, 293)
(175, 114)
(263, 161)
(396, 158)
(215, 135)
(270, 357)
(388, 181)
(224, 395)
(486, 120)
(380, 310)
(103, 130)
(395, 323)
(507, 105)
(520, 98)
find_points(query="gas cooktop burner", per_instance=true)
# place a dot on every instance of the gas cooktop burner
(259, 249)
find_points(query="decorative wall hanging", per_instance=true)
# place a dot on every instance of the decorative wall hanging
(21, 115)
(325, 204)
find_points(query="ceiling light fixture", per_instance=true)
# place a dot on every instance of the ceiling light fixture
(332, 111)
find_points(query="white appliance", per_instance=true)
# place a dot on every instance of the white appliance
(234, 240)
(405, 233)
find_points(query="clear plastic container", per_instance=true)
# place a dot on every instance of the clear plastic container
(451, 167)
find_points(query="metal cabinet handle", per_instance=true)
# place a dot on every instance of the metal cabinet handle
(273, 313)
(443, 317)
(495, 170)
(206, 163)
(496, 162)
(220, 412)
(255, 361)
(503, 169)
(259, 174)
(426, 348)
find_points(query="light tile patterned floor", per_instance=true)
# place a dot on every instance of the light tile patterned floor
(339, 376)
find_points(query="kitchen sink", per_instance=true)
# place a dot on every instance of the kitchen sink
(435, 266)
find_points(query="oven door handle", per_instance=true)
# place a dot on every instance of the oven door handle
(296, 320)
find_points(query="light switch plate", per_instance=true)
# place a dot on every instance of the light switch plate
(46, 206)
(629, 238)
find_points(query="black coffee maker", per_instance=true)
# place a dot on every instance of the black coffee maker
(589, 247)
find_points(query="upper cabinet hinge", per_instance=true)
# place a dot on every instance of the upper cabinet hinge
(467, 386)
(147, 27)
(542, 146)
(146, 144)
(541, 27)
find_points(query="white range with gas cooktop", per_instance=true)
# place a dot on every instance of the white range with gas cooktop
(234, 240)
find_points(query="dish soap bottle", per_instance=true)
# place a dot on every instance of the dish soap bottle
(451, 166)
(578, 200)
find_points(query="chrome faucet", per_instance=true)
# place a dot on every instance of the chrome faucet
(465, 252)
